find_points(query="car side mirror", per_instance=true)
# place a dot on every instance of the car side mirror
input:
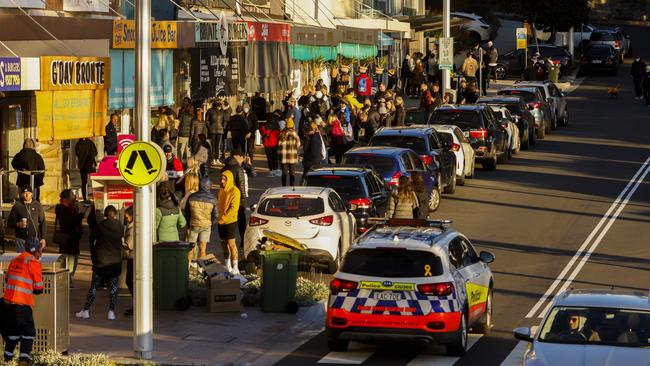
(563, 94)
(523, 334)
(486, 257)
(253, 207)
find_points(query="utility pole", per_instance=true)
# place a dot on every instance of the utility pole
(143, 196)
(446, 32)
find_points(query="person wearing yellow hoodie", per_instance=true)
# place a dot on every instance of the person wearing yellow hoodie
(228, 201)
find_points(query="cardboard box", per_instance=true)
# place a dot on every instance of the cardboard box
(211, 265)
(224, 295)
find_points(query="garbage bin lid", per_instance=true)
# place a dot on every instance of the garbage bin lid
(173, 245)
(49, 262)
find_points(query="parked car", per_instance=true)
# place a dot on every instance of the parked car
(591, 327)
(508, 123)
(513, 62)
(555, 97)
(481, 127)
(599, 57)
(581, 35)
(538, 106)
(520, 111)
(393, 162)
(361, 188)
(477, 29)
(314, 216)
(613, 37)
(461, 147)
(424, 140)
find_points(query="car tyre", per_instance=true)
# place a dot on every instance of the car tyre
(434, 198)
(460, 180)
(459, 346)
(451, 187)
(501, 72)
(471, 172)
(338, 345)
(541, 132)
(532, 136)
(484, 325)
(490, 164)
(565, 120)
(336, 263)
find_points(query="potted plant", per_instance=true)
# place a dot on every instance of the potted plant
(316, 66)
(380, 65)
(345, 64)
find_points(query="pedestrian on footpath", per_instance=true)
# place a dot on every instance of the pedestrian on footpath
(201, 213)
(27, 219)
(238, 129)
(191, 185)
(215, 117)
(400, 112)
(68, 229)
(28, 160)
(24, 280)
(199, 125)
(258, 103)
(469, 68)
(270, 134)
(229, 199)
(86, 153)
(637, 71)
(253, 127)
(128, 248)
(110, 138)
(288, 145)
(646, 86)
(235, 164)
(169, 218)
(174, 169)
(403, 201)
(184, 132)
(492, 59)
(315, 150)
(108, 266)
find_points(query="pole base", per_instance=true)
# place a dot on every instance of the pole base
(144, 355)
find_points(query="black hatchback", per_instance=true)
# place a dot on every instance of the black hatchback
(599, 57)
(363, 190)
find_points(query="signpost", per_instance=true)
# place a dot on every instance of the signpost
(446, 54)
(141, 163)
(446, 33)
(522, 43)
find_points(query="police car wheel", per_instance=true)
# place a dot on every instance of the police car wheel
(459, 346)
(338, 345)
(483, 326)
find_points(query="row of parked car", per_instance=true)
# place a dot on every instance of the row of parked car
(337, 201)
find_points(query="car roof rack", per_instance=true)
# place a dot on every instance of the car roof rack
(442, 224)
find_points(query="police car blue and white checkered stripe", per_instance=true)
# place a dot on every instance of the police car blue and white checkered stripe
(423, 305)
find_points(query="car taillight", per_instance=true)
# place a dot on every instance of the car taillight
(339, 285)
(480, 134)
(455, 147)
(323, 221)
(535, 104)
(617, 44)
(394, 180)
(426, 159)
(360, 203)
(437, 289)
(610, 61)
(256, 221)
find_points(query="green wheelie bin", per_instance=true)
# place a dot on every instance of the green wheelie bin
(554, 74)
(171, 275)
(279, 276)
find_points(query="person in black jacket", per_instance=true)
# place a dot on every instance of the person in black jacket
(28, 160)
(637, 71)
(68, 221)
(184, 132)
(215, 118)
(27, 219)
(108, 266)
(110, 139)
(86, 152)
(235, 163)
(258, 104)
(400, 112)
(253, 126)
(314, 148)
(646, 86)
(238, 128)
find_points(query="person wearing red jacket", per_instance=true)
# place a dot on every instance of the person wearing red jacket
(363, 85)
(24, 280)
(270, 132)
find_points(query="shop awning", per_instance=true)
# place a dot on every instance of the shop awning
(300, 52)
(384, 40)
(357, 51)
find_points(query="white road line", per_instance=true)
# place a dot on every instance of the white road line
(580, 251)
(434, 356)
(515, 358)
(357, 354)
(600, 237)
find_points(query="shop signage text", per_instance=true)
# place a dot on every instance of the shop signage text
(269, 32)
(9, 73)
(209, 32)
(72, 73)
(163, 34)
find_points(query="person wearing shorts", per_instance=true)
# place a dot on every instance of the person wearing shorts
(201, 212)
(228, 202)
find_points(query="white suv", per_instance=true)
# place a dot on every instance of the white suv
(314, 216)
(475, 25)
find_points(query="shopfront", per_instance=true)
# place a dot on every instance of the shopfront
(311, 49)
(268, 61)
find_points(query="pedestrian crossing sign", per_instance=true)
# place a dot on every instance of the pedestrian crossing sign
(141, 163)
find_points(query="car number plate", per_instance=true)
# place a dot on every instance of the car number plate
(384, 295)
(596, 61)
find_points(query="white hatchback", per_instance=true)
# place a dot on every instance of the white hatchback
(462, 148)
(314, 216)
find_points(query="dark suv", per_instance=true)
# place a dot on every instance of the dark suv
(519, 109)
(425, 141)
(537, 105)
(481, 127)
(363, 190)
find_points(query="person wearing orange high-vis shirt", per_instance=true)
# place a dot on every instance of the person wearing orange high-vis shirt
(24, 279)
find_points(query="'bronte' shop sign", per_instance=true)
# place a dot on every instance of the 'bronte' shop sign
(164, 34)
(74, 73)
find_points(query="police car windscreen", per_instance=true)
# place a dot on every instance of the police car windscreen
(348, 187)
(466, 120)
(291, 207)
(382, 164)
(414, 143)
(391, 263)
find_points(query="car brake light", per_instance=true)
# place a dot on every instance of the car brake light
(394, 180)
(323, 221)
(331, 177)
(437, 289)
(610, 61)
(455, 147)
(291, 196)
(617, 44)
(426, 159)
(339, 285)
(480, 134)
(360, 203)
(256, 221)
(535, 104)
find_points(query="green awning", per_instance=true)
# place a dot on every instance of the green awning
(300, 52)
(357, 51)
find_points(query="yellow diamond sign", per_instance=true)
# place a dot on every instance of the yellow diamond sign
(141, 163)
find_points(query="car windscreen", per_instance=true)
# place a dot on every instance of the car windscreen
(552, 51)
(446, 137)
(598, 52)
(348, 187)
(466, 120)
(597, 325)
(602, 36)
(528, 96)
(514, 109)
(382, 164)
(291, 206)
(389, 262)
(415, 143)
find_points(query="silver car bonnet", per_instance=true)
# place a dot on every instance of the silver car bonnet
(555, 354)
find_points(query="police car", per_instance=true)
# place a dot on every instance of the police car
(411, 280)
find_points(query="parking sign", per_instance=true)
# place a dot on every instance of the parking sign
(446, 53)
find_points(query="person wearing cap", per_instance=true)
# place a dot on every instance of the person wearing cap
(28, 160)
(27, 219)
(288, 145)
(24, 278)
(174, 167)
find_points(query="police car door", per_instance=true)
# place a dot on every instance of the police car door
(475, 278)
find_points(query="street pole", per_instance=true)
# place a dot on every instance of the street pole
(143, 197)
(446, 32)
(571, 45)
